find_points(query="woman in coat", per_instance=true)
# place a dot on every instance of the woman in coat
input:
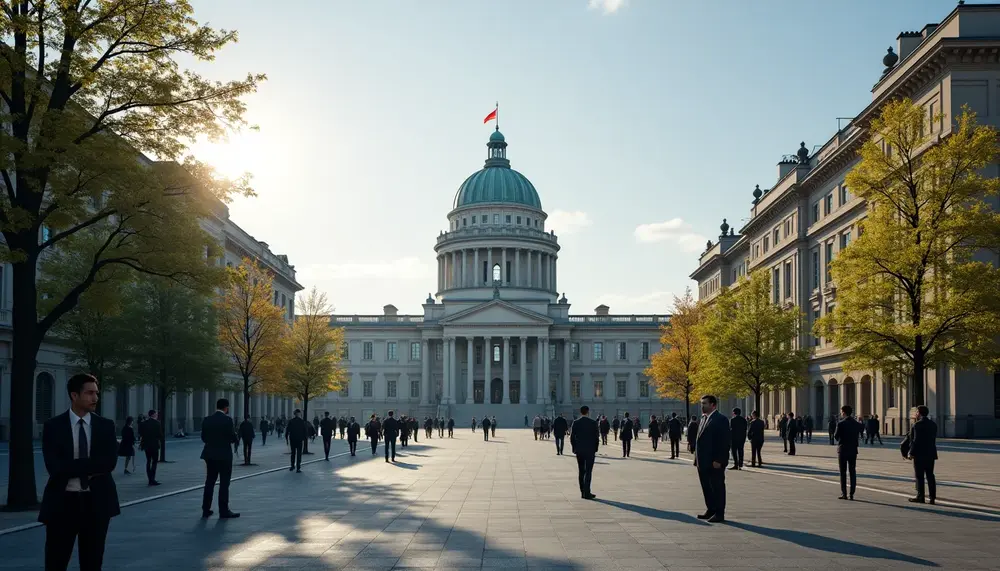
(654, 431)
(126, 448)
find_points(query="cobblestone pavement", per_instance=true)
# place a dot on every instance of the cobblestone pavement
(511, 503)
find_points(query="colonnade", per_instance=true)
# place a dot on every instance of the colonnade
(473, 267)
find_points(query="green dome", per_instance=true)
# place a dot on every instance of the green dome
(497, 182)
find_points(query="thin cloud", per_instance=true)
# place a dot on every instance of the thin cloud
(565, 222)
(675, 231)
(410, 268)
(655, 302)
(607, 6)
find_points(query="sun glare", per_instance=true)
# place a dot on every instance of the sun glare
(233, 157)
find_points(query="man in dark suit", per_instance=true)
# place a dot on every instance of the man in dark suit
(923, 452)
(584, 442)
(390, 431)
(627, 431)
(326, 429)
(712, 447)
(218, 435)
(296, 434)
(783, 431)
(791, 433)
(674, 430)
(247, 435)
(80, 450)
(831, 427)
(559, 428)
(486, 428)
(846, 434)
(353, 432)
(738, 432)
(150, 431)
(264, 427)
(605, 427)
(755, 434)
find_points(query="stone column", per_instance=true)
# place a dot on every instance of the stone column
(506, 370)
(465, 268)
(540, 379)
(528, 267)
(541, 278)
(445, 357)
(489, 267)
(454, 270)
(487, 365)
(470, 343)
(567, 385)
(503, 270)
(476, 276)
(523, 360)
(452, 372)
(554, 274)
(189, 415)
(842, 387)
(517, 270)
(425, 365)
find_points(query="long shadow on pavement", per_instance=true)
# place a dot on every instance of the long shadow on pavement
(931, 510)
(655, 513)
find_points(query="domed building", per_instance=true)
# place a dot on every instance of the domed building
(496, 338)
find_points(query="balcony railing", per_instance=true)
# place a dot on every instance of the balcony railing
(498, 232)
(613, 319)
(374, 319)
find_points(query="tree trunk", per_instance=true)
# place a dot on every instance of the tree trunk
(305, 415)
(687, 400)
(162, 409)
(246, 402)
(21, 491)
(917, 380)
(756, 400)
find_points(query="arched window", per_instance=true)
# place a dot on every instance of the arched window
(44, 390)
(496, 272)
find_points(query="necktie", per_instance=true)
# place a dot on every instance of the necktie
(84, 453)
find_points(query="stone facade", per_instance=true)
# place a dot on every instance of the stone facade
(801, 223)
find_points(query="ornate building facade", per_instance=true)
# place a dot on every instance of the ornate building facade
(497, 339)
(809, 215)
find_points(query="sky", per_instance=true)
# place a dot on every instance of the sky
(641, 123)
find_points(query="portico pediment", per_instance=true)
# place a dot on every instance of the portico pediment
(497, 312)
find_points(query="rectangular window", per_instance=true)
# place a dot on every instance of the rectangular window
(598, 389)
(766, 244)
(598, 351)
(844, 194)
(479, 354)
(815, 334)
(367, 352)
(496, 219)
(415, 351)
(891, 392)
(518, 220)
(815, 269)
(390, 389)
(414, 389)
(574, 387)
(574, 351)
(368, 389)
(788, 280)
(507, 219)
(390, 351)
(513, 354)
(828, 204)
(777, 236)
(275, 298)
(829, 258)
(621, 389)
(815, 217)
(622, 351)
(346, 351)
(438, 352)
(496, 353)
(643, 388)
(465, 222)
(484, 219)
(644, 350)
(345, 390)
(507, 273)
(788, 227)
(845, 240)
(474, 220)
(291, 310)
(775, 285)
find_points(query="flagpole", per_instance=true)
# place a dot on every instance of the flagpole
(498, 116)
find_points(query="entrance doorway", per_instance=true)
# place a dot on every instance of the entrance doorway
(496, 391)
(478, 392)
(515, 391)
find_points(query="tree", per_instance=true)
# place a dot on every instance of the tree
(748, 343)
(315, 353)
(172, 341)
(674, 366)
(252, 328)
(85, 87)
(912, 290)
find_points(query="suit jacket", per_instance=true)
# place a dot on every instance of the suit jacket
(585, 437)
(846, 435)
(605, 426)
(792, 428)
(246, 430)
(560, 426)
(738, 428)
(755, 431)
(57, 452)
(264, 426)
(327, 426)
(628, 428)
(654, 429)
(390, 428)
(674, 428)
(150, 431)
(353, 431)
(218, 434)
(297, 430)
(713, 442)
(923, 440)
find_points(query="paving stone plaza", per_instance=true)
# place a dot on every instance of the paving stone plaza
(511, 503)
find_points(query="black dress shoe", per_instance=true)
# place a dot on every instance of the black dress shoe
(717, 518)
(229, 515)
(931, 501)
(917, 500)
(299, 471)
(590, 497)
(291, 469)
(706, 515)
(842, 497)
(154, 483)
(205, 514)
(733, 468)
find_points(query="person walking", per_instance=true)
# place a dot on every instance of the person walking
(440, 427)
(373, 430)
(474, 425)
(673, 432)
(712, 449)
(296, 433)
(353, 432)
(627, 430)
(80, 450)
(873, 430)
(451, 428)
(493, 426)
(809, 429)
(526, 421)
(783, 431)
(847, 434)
(738, 437)
(605, 427)
(654, 431)
(247, 435)
(126, 449)
(149, 434)
(536, 426)
(327, 426)
(791, 432)
(218, 434)
(559, 428)
(583, 441)
(755, 434)
(404, 430)
(265, 427)
(831, 427)
(923, 453)
(390, 430)
(615, 425)
(486, 429)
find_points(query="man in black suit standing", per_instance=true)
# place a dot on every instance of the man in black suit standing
(628, 429)
(674, 430)
(80, 450)
(559, 428)
(923, 452)
(326, 428)
(390, 431)
(738, 432)
(486, 428)
(247, 436)
(296, 434)
(264, 427)
(755, 434)
(712, 447)
(218, 434)
(150, 431)
(353, 432)
(791, 433)
(846, 434)
(584, 440)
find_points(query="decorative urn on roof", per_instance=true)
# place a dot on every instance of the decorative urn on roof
(757, 193)
(724, 227)
(803, 153)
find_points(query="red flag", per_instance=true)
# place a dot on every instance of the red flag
(491, 116)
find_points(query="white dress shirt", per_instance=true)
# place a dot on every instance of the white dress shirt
(73, 485)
